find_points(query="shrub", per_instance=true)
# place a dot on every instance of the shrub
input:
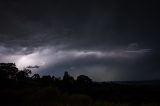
(77, 100)
(48, 94)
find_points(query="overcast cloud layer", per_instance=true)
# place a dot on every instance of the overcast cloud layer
(107, 41)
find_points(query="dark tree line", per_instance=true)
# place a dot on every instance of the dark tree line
(9, 72)
(13, 79)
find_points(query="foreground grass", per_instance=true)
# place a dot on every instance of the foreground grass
(73, 104)
(51, 96)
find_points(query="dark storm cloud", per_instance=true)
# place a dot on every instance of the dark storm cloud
(107, 40)
(80, 23)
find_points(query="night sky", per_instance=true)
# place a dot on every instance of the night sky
(108, 40)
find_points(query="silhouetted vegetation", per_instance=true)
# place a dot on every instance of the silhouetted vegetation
(18, 87)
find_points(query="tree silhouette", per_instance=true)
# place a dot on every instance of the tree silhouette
(36, 77)
(82, 79)
(67, 79)
(24, 74)
(46, 80)
(8, 71)
(17, 86)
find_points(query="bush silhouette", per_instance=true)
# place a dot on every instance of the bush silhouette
(50, 94)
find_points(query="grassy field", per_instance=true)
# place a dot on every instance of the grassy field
(51, 96)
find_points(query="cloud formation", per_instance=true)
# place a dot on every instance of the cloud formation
(98, 64)
(108, 40)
